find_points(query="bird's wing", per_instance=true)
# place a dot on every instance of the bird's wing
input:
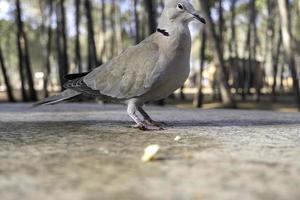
(128, 75)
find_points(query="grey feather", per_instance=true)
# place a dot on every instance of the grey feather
(129, 74)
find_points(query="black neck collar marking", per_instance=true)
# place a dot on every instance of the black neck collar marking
(163, 31)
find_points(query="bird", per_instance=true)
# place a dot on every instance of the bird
(149, 71)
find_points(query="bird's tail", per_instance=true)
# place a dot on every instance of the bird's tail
(63, 96)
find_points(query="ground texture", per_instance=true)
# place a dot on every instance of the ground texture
(88, 152)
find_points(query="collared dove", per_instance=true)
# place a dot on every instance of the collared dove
(149, 71)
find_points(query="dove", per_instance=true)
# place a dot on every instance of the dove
(149, 71)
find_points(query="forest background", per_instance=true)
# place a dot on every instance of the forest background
(247, 56)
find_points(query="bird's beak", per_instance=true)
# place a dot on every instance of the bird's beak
(199, 18)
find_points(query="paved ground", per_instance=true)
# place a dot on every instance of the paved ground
(89, 152)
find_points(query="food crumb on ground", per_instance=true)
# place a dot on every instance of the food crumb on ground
(150, 152)
(177, 138)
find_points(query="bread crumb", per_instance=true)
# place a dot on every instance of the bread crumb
(177, 138)
(150, 152)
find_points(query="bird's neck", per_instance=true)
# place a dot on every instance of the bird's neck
(174, 35)
(171, 26)
(175, 39)
(172, 29)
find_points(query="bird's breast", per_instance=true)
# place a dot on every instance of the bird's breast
(177, 53)
(178, 44)
(174, 64)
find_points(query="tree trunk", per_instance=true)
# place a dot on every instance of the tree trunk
(221, 24)
(150, 7)
(61, 40)
(113, 43)
(92, 51)
(60, 62)
(21, 63)
(119, 35)
(9, 89)
(253, 52)
(64, 36)
(198, 100)
(32, 92)
(284, 9)
(246, 65)
(227, 97)
(103, 26)
(78, 59)
(24, 53)
(48, 44)
(233, 48)
(144, 22)
(250, 53)
(275, 62)
(282, 77)
(137, 22)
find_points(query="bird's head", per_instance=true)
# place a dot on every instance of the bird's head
(181, 11)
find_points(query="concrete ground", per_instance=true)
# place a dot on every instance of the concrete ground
(89, 152)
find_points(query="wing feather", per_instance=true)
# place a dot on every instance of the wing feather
(128, 75)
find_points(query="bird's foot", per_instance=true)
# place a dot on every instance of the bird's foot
(155, 124)
(141, 127)
(147, 127)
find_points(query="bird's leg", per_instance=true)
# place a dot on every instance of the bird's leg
(148, 120)
(131, 110)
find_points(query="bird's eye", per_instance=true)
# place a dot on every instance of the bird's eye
(180, 6)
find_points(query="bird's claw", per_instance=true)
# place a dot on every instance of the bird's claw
(141, 127)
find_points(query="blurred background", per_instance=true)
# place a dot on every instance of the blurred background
(247, 56)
